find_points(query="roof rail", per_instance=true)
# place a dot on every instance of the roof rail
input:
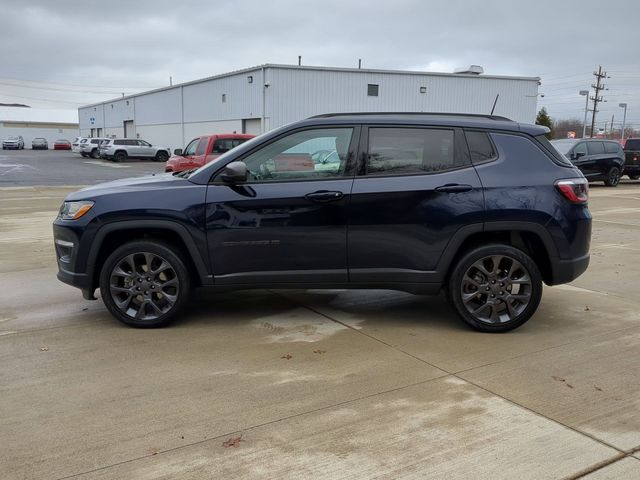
(444, 114)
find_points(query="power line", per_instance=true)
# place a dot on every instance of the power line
(61, 89)
(83, 85)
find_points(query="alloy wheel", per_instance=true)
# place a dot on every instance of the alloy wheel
(496, 289)
(144, 286)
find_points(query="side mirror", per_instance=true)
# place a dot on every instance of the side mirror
(178, 152)
(579, 154)
(234, 172)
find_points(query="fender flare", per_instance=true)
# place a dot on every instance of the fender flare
(192, 250)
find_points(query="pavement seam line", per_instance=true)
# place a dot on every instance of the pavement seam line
(581, 339)
(595, 467)
(539, 414)
(580, 432)
(260, 425)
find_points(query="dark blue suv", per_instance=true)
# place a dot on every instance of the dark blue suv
(479, 206)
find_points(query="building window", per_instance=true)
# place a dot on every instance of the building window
(224, 98)
(423, 89)
(250, 79)
(372, 90)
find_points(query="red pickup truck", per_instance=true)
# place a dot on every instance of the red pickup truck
(202, 150)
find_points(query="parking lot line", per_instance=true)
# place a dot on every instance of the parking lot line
(101, 163)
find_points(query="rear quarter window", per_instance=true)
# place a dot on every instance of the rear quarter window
(611, 147)
(551, 151)
(480, 146)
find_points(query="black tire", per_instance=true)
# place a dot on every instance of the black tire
(128, 284)
(120, 157)
(613, 177)
(84, 155)
(506, 310)
(161, 157)
(634, 177)
(94, 153)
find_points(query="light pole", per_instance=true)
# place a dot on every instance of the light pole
(624, 120)
(585, 93)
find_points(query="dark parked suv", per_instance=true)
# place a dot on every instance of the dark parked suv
(598, 160)
(479, 206)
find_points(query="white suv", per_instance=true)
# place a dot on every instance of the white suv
(119, 149)
(90, 147)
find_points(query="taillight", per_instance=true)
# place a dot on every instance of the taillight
(576, 190)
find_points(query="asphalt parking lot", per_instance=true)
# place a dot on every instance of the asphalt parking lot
(310, 384)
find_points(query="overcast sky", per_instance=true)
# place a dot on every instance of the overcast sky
(63, 53)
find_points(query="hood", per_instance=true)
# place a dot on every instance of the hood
(159, 181)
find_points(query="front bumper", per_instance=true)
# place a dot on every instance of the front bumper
(10, 146)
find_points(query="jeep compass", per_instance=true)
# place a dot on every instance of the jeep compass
(480, 207)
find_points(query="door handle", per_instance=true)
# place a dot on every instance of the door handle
(324, 196)
(453, 188)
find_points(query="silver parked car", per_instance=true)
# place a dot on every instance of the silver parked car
(39, 144)
(15, 142)
(89, 147)
(119, 149)
(75, 145)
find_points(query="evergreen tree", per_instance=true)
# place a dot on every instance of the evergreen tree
(544, 119)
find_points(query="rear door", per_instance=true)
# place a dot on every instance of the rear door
(596, 163)
(415, 188)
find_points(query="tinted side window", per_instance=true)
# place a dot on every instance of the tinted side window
(202, 145)
(480, 146)
(611, 147)
(595, 148)
(118, 142)
(223, 145)
(398, 151)
(580, 148)
(293, 157)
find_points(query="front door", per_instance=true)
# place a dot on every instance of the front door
(414, 189)
(287, 223)
(186, 160)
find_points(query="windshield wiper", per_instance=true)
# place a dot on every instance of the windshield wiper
(184, 173)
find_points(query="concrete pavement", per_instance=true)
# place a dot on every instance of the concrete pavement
(322, 384)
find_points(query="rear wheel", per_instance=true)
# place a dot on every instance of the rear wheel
(94, 153)
(613, 177)
(120, 157)
(144, 283)
(161, 157)
(495, 288)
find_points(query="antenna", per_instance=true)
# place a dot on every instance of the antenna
(494, 104)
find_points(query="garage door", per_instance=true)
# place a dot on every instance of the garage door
(251, 126)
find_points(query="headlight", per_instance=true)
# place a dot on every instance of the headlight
(74, 210)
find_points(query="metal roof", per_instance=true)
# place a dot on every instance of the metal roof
(38, 115)
(318, 68)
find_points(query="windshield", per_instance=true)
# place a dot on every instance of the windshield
(563, 146)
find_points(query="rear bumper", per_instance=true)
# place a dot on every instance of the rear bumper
(632, 169)
(564, 271)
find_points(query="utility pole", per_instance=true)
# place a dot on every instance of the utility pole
(597, 87)
(611, 129)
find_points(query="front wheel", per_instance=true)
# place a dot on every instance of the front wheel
(495, 288)
(161, 157)
(634, 177)
(144, 283)
(613, 177)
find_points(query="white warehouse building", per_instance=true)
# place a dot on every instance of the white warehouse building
(30, 123)
(258, 99)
